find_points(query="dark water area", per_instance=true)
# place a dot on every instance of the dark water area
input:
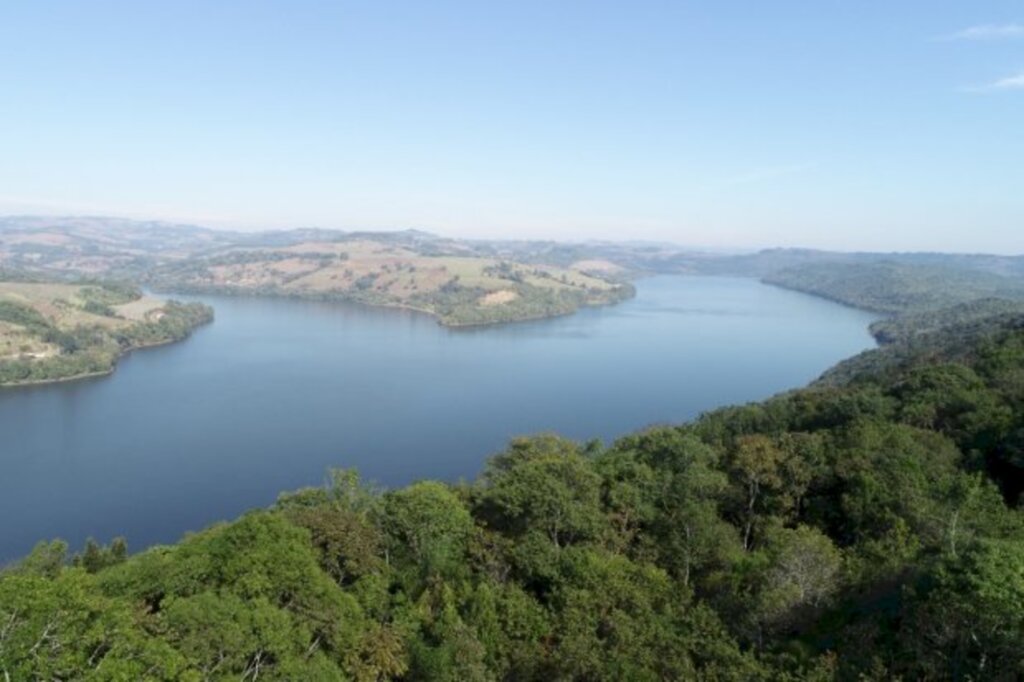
(275, 392)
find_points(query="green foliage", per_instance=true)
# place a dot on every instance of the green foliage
(864, 531)
(964, 616)
(543, 485)
(459, 306)
(429, 526)
(343, 522)
(895, 287)
(906, 327)
(469, 273)
(94, 360)
(176, 321)
(92, 349)
(95, 557)
(23, 315)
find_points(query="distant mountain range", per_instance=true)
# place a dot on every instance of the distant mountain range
(36, 242)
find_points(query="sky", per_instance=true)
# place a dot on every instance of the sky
(841, 124)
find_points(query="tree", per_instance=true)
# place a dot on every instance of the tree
(543, 484)
(619, 620)
(684, 490)
(429, 523)
(965, 619)
(628, 495)
(62, 627)
(803, 573)
(761, 473)
(344, 520)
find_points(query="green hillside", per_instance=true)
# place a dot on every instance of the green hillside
(52, 331)
(897, 288)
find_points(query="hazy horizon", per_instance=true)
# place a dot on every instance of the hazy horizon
(721, 126)
(691, 247)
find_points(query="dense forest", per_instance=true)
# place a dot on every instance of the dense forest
(917, 295)
(905, 327)
(868, 529)
(896, 287)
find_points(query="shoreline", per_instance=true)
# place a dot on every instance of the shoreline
(101, 373)
(59, 380)
(327, 297)
(882, 314)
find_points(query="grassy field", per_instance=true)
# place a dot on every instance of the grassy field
(56, 331)
(458, 289)
(67, 304)
(460, 282)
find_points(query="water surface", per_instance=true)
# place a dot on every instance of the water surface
(276, 391)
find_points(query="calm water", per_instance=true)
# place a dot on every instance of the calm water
(275, 392)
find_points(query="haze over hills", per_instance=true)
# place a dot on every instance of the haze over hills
(109, 245)
(463, 281)
(459, 282)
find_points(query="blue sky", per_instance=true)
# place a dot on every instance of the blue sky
(838, 124)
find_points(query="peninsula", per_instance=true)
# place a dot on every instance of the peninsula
(51, 331)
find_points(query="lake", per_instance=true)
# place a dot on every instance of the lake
(275, 392)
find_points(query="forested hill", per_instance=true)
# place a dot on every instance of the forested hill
(916, 298)
(468, 282)
(863, 531)
(891, 287)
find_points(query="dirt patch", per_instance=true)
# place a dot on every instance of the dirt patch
(139, 310)
(499, 297)
(602, 266)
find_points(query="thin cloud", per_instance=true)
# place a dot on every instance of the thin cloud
(988, 32)
(1015, 82)
(1010, 83)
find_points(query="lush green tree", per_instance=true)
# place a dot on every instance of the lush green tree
(618, 620)
(768, 482)
(428, 523)
(63, 627)
(344, 520)
(802, 575)
(683, 493)
(543, 484)
(965, 619)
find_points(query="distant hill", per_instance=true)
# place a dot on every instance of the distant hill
(894, 287)
(459, 282)
(458, 286)
(908, 326)
(464, 281)
(772, 261)
(58, 331)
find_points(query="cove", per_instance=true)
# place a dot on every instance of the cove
(275, 392)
